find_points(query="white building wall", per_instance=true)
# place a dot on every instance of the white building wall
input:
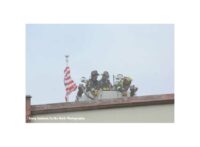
(139, 114)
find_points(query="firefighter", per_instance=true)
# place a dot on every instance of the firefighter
(123, 85)
(105, 83)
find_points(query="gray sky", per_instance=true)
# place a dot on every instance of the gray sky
(143, 52)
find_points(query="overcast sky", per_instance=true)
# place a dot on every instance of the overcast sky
(143, 52)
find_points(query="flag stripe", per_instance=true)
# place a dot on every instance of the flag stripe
(67, 77)
(67, 68)
(68, 89)
(67, 72)
(70, 83)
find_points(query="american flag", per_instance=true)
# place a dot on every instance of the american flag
(70, 86)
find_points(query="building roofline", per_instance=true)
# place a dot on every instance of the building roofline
(103, 104)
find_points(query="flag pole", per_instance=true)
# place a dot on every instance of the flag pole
(67, 59)
(70, 86)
